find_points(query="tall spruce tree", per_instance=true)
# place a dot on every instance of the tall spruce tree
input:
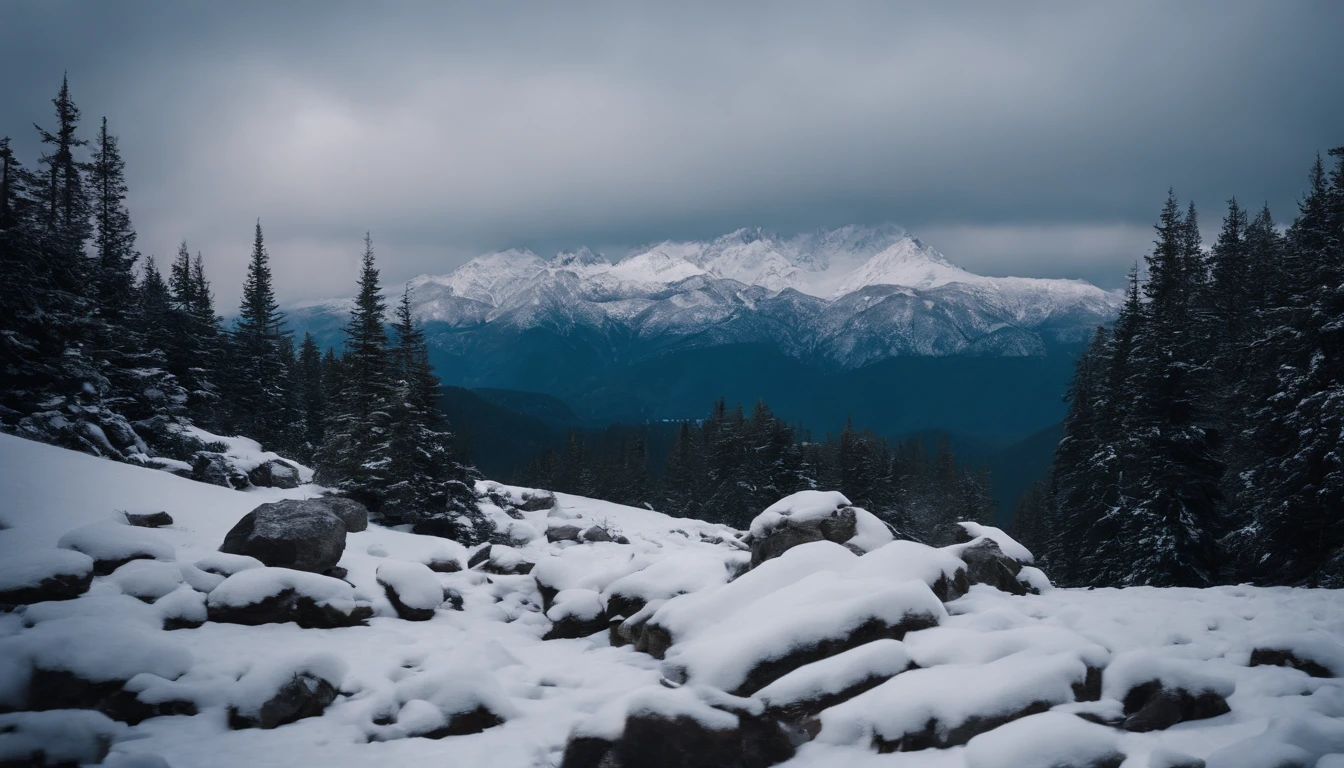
(114, 237)
(261, 401)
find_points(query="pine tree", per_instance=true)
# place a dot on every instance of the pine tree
(259, 391)
(680, 473)
(114, 237)
(312, 394)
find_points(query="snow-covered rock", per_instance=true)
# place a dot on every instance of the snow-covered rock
(276, 595)
(112, 544)
(814, 516)
(279, 692)
(45, 574)
(412, 588)
(301, 534)
(576, 613)
(147, 580)
(57, 737)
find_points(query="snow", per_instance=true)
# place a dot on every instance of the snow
(415, 585)
(870, 532)
(1007, 544)
(1047, 739)
(60, 736)
(259, 684)
(990, 650)
(951, 694)
(147, 579)
(246, 454)
(800, 507)
(880, 658)
(109, 540)
(28, 569)
(582, 604)
(256, 584)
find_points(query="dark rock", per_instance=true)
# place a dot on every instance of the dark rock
(300, 534)
(938, 735)
(986, 564)
(769, 670)
(1090, 688)
(595, 533)
(573, 627)
(653, 639)
(840, 527)
(217, 469)
(1278, 657)
(59, 587)
(620, 539)
(619, 604)
(452, 598)
(274, 473)
(801, 712)
(287, 606)
(444, 566)
(150, 520)
(1152, 707)
(128, 708)
(948, 534)
(479, 556)
(563, 533)
(947, 590)
(304, 695)
(463, 723)
(351, 512)
(404, 611)
(535, 501)
(652, 741)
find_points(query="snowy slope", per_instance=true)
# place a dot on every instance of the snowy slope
(991, 651)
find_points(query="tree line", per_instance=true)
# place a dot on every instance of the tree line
(1204, 442)
(730, 466)
(99, 350)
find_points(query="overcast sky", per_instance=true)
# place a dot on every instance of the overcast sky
(1017, 139)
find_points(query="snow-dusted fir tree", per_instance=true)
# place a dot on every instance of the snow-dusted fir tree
(355, 449)
(260, 397)
(427, 484)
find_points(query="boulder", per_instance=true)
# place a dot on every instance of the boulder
(217, 469)
(351, 512)
(444, 565)
(576, 613)
(149, 519)
(413, 589)
(563, 532)
(303, 695)
(274, 473)
(1282, 657)
(987, 564)
(113, 544)
(500, 560)
(39, 575)
(277, 595)
(299, 534)
(1152, 706)
(653, 739)
(595, 533)
(804, 517)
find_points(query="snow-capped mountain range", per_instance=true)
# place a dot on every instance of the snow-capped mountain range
(843, 298)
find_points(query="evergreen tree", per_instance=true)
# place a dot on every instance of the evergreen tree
(312, 394)
(259, 392)
(114, 237)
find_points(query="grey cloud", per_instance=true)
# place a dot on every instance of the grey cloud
(1016, 138)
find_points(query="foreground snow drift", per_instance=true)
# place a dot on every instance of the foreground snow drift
(858, 652)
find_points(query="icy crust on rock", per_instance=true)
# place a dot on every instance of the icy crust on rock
(111, 541)
(254, 585)
(414, 584)
(878, 659)
(1007, 544)
(27, 569)
(801, 507)
(950, 695)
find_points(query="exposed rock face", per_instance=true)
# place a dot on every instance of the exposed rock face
(149, 520)
(987, 564)
(563, 532)
(300, 534)
(652, 741)
(305, 695)
(275, 473)
(216, 469)
(789, 533)
(1153, 707)
(351, 512)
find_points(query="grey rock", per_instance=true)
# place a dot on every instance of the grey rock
(275, 473)
(149, 520)
(303, 695)
(987, 564)
(352, 513)
(1154, 707)
(302, 534)
(595, 533)
(563, 533)
(840, 527)
(216, 469)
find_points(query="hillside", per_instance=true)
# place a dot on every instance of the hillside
(160, 662)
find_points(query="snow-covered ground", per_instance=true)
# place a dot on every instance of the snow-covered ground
(991, 654)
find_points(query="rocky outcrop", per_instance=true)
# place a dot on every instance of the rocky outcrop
(838, 527)
(987, 564)
(304, 535)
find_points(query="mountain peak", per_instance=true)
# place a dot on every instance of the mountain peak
(583, 257)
